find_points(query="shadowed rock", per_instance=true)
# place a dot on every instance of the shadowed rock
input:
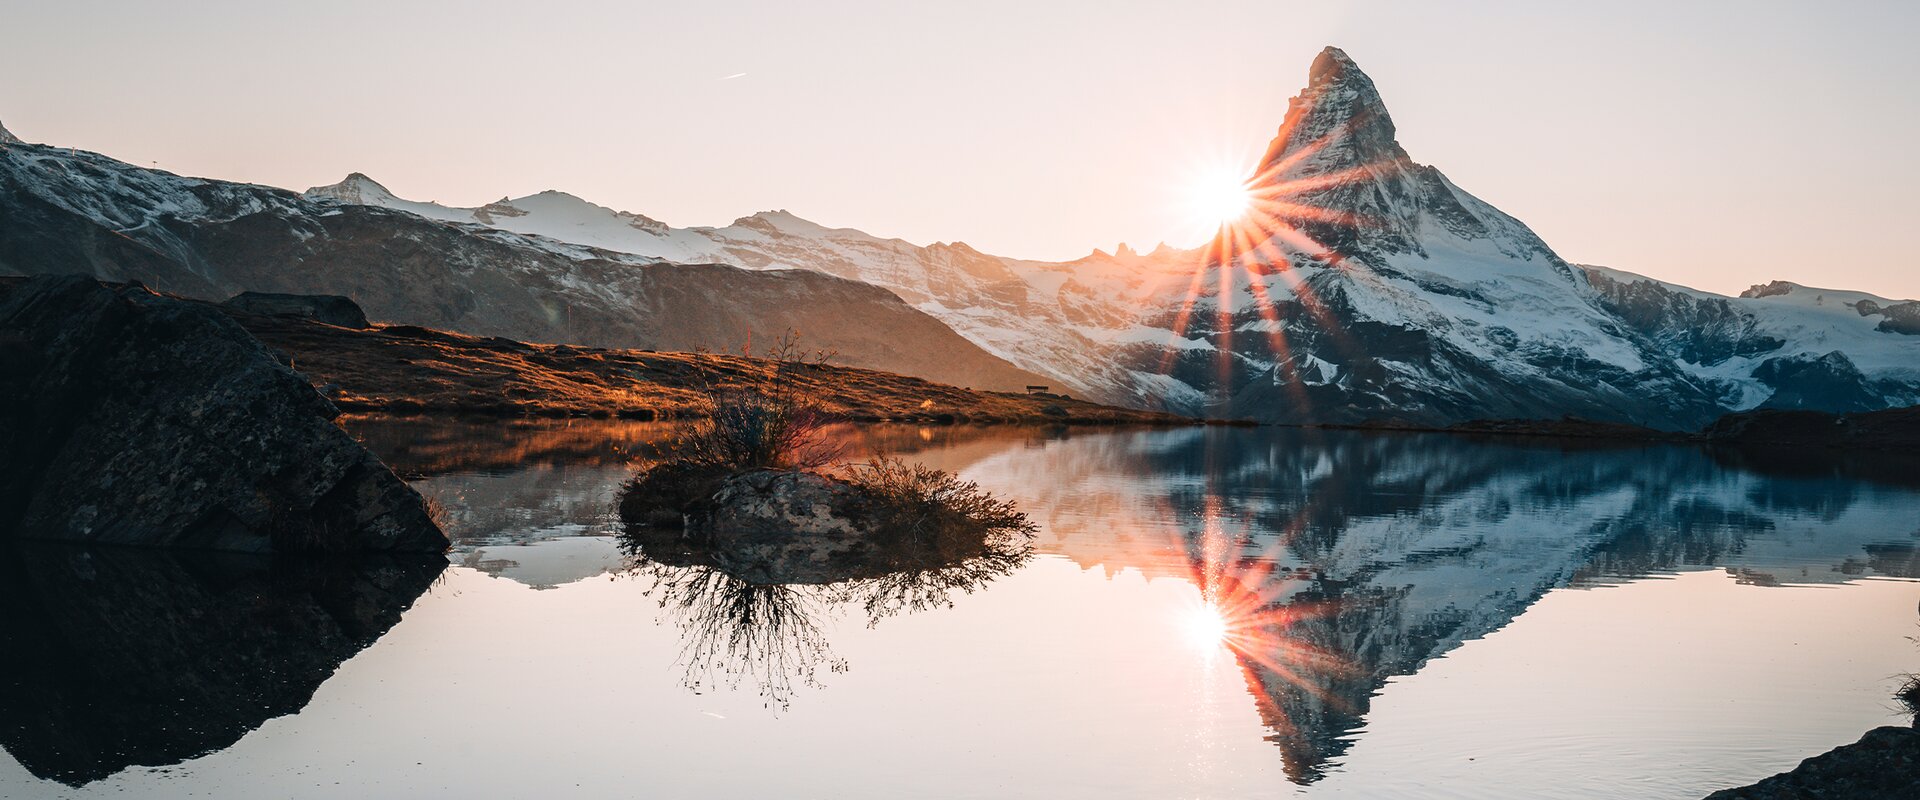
(132, 418)
(332, 309)
(116, 657)
(1883, 765)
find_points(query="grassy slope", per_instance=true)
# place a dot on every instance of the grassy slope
(403, 368)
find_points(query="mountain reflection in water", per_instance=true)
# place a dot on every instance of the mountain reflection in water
(1335, 560)
(119, 656)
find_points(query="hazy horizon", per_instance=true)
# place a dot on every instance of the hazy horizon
(1715, 148)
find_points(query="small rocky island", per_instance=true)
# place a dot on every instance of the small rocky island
(129, 417)
(749, 536)
(757, 465)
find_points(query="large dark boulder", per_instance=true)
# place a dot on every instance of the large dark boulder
(332, 309)
(127, 417)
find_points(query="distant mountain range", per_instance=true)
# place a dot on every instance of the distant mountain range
(1363, 287)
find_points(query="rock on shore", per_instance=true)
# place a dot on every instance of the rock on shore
(132, 418)
(331, 309)
(1883, 765)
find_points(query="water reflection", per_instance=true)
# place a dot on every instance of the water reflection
(751, 607)
(533, 500)
(1337, 561)
(1332, 561)
(117, 657)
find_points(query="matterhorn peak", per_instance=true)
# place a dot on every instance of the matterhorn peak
(355, 189)
(1337, 122)
(7, 137)
(1342, 188)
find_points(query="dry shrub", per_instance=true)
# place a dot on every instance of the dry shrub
(747, 431)
(947, 517)
(778, 427)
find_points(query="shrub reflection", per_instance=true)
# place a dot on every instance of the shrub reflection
(754, 609)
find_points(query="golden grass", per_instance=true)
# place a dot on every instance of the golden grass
(407, 369)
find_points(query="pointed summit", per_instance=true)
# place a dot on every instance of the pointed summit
(1337, 122)
(357, 189)
(7, 137)
(1336, 186)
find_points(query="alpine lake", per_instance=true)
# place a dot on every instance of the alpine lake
(1204, 613)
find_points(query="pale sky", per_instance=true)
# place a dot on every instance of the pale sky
(1712, 144)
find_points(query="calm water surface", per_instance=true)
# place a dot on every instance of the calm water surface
(1206, 613)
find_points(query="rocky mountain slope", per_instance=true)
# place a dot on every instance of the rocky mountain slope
(1000, 304)
(1362, 286)
(1779, 345)
(64, 211)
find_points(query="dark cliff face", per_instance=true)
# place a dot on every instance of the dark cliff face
(1701, 330)
(1901, 318)
(118, 657)
(132, 418)
(82, 213)
(1711, 330)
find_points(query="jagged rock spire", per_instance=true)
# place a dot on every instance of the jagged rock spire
(7, 137)
(1338, 188)
(1337, 122)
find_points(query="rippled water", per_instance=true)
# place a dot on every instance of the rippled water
(1208, 613)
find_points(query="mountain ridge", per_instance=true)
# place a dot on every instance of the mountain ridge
(68, 211)
(1363, 287)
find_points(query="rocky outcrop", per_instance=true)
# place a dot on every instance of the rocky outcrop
(1829, 382)
(128, 417)
(1695, 328)
(776, 526)
(117, 657)
(1777, 345)
(1883, 765)
(1901, 318)
(331, 309)
(799, 503)
(783, 526)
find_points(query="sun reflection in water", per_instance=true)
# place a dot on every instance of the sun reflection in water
(1205, 628)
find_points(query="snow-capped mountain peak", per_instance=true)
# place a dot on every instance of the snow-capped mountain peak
(1336, 175)
(356, 189)
(1337, 122)
(1362, 286)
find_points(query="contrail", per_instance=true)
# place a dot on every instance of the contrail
(734, 75)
